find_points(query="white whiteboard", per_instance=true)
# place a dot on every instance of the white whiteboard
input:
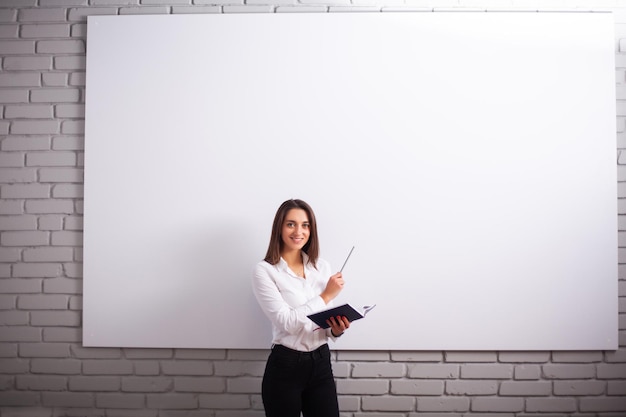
(469, 157)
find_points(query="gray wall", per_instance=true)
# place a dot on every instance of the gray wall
(44, 370)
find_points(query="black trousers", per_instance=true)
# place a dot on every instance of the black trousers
(297, 382)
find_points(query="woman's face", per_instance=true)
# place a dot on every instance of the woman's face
(296, 230)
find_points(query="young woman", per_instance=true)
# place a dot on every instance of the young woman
(291, 283)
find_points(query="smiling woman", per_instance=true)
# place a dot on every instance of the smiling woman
(291, 283)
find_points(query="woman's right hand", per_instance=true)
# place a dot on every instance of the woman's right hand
(333, 287)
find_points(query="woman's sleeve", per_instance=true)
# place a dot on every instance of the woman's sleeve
(281, 314)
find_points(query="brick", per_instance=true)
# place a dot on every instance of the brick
(484, 387)
(199, 384)
(16, 47)
(73, 270)
(14, 366)
(618, 356)
(62, 285)
(37, 270)
(77, 79)
(53, 95)
(9, 31)
(186, 368)
(62, 334)
(26, 143)
(68, 191)
(11, 206)
(44, 350)
(67, 238)
(42, 302)
(8, 350)
(65, 46)
(73, 127)
(577, 388)
(551, 405)
(48, 254)
(569, 371)
(19, 175)
(23, 222)
(15, 95)
(416, 387)
(401, 356)
(107, 367)
(362, 356)
(11, 159)
(42, 15)
(443, 404)
(71, 63)
(64, 175)
(362, 387)
(225, 401)
(616, 388)
(470, 357)
(50, 206)
(111, 400)
(74, 223)
(10, 254)
(576, 357)
(55, 366)
(612, 371)
(80, 13)
(50, 222)
(492, 404)
(239, 368)
(94, 383)
(524, 357)
(32, 111)
(526, 388)
(487, 371)
(54, 79)
(378, 370)
(147, 384)
(41, 383)
(35, 127)
(69, 143)
(385, 403)
(54, 158)
(13, 318)
(20, 286)
(244, 385)
(25, 191)
(55, 318)
(19, 79)
(20, 334)
(61, 30)
(27, 63)
(18, 398)
(71, 111)
(435, 371)
(67, 399)
(147, 368)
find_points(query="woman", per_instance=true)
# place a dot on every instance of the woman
(289, 284)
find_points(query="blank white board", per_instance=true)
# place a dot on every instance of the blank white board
(469, 157)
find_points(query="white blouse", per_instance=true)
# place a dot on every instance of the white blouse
(287, 299)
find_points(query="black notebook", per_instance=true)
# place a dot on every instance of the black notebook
(344, 310)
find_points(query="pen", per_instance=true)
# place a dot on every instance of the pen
(346, 261)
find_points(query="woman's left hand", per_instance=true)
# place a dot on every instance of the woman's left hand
(338, 325)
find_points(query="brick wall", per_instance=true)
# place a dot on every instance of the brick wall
(45, 371)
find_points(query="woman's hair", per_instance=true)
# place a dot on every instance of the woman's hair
(311, 248)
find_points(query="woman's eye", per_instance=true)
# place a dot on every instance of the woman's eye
(289, 224)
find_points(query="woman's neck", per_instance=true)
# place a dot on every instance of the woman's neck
(292, 257)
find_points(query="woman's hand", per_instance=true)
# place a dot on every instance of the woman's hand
(333, 287)
(338, 325)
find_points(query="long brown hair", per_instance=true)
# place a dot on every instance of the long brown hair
(312, 247)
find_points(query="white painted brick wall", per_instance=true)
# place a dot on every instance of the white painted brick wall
(46, 372)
